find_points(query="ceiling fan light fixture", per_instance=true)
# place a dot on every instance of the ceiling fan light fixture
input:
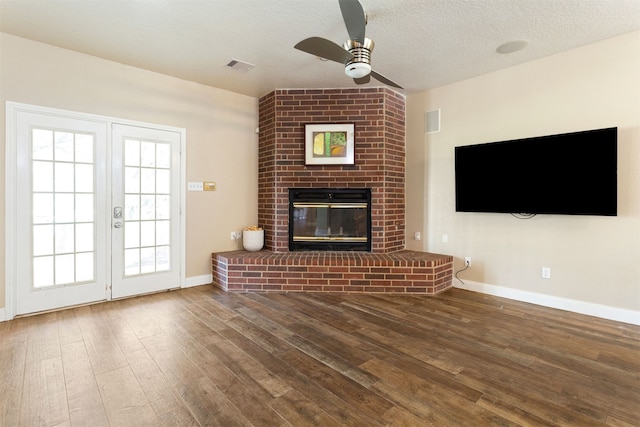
(360, 65)
(355, 53)
(357, 70)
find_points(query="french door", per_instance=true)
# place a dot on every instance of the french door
(145, 210)
(97, 209)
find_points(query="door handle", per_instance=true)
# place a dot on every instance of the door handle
(117, 224)
(117, 212)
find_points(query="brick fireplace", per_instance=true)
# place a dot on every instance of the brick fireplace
(378, 115)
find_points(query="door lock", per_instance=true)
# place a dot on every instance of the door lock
(117, 212)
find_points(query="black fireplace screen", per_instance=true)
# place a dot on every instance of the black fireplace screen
(330, 219)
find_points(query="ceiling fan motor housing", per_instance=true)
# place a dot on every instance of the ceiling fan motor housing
(360, 65)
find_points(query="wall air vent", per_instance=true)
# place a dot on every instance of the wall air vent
(241, 66)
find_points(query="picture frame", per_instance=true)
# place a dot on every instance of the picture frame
(329, 144)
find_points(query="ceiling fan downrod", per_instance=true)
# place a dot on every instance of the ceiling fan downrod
(360, 65)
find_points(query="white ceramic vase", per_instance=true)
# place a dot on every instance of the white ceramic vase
(253, 240)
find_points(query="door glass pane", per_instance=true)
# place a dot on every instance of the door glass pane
(147, 260)
(132, 235)
(163, 156)
(63, 210)
(131, 262)
(65, 269)
(84, 148)
(147, 154)
(63, 147)
(162, 258)
(42, 208)
(163, 207)
(163, 182)
(163, 232)
(131, 207)
(148, 181)
(42, 271)
(84, 267)
(64, 177)
(84, 208)
(147, 233)
(84, 178)
(42, 176)
(42, 240)
(64, 238)
(148, 207)
(64, 207)
(42, 144)
(131, 152)
(84, 237)
(131, 180)
(147, 186)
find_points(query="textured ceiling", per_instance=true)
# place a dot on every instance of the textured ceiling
(420, 44)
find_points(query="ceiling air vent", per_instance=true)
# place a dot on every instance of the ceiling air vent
(241, 66)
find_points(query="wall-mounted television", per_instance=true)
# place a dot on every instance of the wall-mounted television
(571, 174)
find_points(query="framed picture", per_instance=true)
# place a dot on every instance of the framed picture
(328, 144)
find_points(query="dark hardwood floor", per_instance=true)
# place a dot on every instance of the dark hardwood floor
(201, 357)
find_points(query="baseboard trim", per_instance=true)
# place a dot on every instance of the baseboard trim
(205, 279)
(590, 309)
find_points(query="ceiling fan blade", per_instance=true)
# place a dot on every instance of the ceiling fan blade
(325, 49)
(363, 80)
(384, 80)
(354, 19)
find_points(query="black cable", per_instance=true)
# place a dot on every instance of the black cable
(523, 215)
(460, 271)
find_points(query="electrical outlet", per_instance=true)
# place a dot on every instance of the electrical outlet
(417, 236)
(467, 261)
(236, 235)
(233, 235)
(546, 273)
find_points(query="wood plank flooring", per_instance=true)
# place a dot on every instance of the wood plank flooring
(202, 357)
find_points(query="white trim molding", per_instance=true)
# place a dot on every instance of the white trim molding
(192, 281)
(582, 307)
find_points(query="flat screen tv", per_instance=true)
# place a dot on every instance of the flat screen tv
(571, 174)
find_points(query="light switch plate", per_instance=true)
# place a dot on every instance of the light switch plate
(194, 186)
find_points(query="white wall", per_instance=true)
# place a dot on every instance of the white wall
(594, 261)
(221, 143)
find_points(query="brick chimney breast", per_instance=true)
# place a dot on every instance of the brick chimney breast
(378, 115)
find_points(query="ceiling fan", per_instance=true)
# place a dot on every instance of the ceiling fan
(355, 53)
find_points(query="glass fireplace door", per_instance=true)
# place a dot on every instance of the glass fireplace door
(326, 221)
(330, 219)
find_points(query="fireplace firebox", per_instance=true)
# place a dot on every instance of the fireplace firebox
(330, 219)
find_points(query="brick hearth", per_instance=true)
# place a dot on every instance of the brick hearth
(378, 115)
(354, 272)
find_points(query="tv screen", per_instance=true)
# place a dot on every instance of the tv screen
(573, 174)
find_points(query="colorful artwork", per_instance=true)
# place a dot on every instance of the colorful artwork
(329, 144)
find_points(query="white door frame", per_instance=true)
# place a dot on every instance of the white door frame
(11, 178)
